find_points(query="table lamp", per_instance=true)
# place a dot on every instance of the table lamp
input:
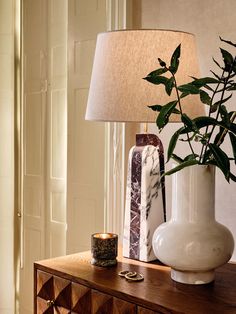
(118, 93)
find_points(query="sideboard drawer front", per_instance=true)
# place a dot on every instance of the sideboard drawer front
(101, 303)
(42, 307)
(80, 299)
(62, 292)
(104, 303)
(60, 310)
(53, 289)
(142, 310)
(45, 288)
(123, 307)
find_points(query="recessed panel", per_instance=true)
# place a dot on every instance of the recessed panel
(33, 134)
(58, 207)
(32, 201)
(59, 61)
(58, 134)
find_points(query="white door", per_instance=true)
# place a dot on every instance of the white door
(34, 106)
(44, 138)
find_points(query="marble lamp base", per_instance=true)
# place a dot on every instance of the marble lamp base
(145, 197)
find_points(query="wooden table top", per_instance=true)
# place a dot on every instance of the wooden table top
(158, 291)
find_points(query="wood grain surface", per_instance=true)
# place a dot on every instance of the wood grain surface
(157, 292)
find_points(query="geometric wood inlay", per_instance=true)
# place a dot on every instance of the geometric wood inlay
(62, 292)
(142, 310)
(80, 299)
(45, 285)
(42, 307)
(60, 310)
(101, 303)
(123, 307)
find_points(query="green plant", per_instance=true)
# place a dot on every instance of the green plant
(210, 130)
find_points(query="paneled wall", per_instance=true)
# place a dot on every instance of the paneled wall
(44, 138)
(56, 139)
(207, 20)
(85, 185)
(7, 156)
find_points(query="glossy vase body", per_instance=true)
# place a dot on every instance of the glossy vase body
(193, 243)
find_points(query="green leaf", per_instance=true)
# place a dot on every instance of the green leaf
(224, 115)
(221, 159)
(205, 98)
(181, 166)
(228, 59)
(233, 143)
(232, 87)
(188, 88)
(159, 107)
(174, 63)
(217, 76)
(162, 63)
(228, 42)
(177, 158)
(156, 79)
(158, 72)
(215, 106)
(191, 157)
(172, 143)
(232, 177)
(219, 139)
(184, 95)
(205, 121)
(169, 86)
(204, 81)
(164, 114)
(218, 64)
(188, 122)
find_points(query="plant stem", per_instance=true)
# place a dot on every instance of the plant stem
(209, 114)
(181, 111)
(226, 130)
(218, 112)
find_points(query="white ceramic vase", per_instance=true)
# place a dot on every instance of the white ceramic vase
(193, 243)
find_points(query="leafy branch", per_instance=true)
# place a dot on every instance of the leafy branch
(201, 129)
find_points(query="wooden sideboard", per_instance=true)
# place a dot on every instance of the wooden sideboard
(70, 284)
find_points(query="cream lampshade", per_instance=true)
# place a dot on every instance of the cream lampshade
(118, 93)
(122, 58)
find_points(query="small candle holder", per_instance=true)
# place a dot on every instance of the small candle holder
(104, 249)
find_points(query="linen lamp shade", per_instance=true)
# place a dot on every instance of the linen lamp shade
(122, 58)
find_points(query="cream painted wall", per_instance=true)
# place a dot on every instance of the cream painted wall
(207, 20)
(7, 156)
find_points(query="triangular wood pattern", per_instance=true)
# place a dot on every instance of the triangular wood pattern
(45, 285)
(123, 307)
(62, 292)
(80, 299)
(60, 310)
(142, 310)
(101, 303)
(42, 307)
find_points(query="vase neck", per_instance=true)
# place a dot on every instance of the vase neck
(193, 191)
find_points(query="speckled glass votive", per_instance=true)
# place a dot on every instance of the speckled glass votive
(104, 249)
